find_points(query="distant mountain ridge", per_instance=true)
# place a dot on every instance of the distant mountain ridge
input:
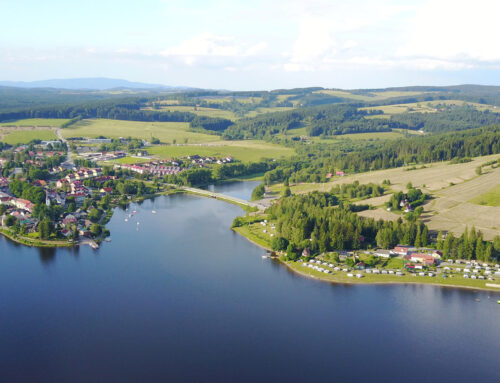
(90, 83)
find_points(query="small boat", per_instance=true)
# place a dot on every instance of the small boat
(154, 212)
(138, 223)
(135, 212)
(478, 300)
(265, 256)
(108, 239)
(126, 219)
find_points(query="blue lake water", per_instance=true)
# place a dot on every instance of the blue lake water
(179, 297)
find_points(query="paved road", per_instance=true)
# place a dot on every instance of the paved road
(208, 193)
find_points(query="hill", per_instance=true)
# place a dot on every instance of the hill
(96, 83)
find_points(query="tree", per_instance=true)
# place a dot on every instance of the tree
(290, 252)
(258, 192)
(279, 243)
(287, 192)
(95, 229)
(45, 228)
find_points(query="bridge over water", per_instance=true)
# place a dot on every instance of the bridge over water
(256, 204)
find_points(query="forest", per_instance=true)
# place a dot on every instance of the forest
(322, 222)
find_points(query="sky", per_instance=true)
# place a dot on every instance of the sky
(250, 45)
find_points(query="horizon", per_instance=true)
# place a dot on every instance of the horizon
(153, 86)
(218, 45)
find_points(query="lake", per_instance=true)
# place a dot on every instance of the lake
(178, 297)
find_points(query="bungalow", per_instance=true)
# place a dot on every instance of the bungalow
(383, 253)
(106, 190)
(306, 252)
(340, 173)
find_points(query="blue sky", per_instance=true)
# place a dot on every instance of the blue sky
(253, 44)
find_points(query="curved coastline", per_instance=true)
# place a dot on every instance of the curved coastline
(361, 281)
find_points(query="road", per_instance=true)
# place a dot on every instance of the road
(208, 193)
(69, 157)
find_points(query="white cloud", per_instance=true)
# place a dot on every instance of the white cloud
(454, 34)
(208, 45)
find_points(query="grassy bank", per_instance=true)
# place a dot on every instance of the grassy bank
(254, 234)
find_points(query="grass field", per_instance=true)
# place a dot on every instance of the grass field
(372, 96)
(453, 189)
(425, 107)
(489, 198)
(35, 122)
(13, 137)
(245, 151)
(200, 111)
(258, 111)
(165, 131)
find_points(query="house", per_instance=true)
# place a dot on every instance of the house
(402, 249)
(84, 232)
(106, 190)
(79, 197)
(306, 252)
(383, 253)
(329, 175)
(23, 204)
(69, 220)
(422, 258)
(340, 173)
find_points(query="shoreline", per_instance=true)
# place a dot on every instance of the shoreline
(361, 282)
(266, 248)
(337, 282)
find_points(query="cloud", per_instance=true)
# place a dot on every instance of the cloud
(208, 45)
(454, 34)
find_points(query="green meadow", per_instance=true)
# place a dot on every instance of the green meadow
(167, 132)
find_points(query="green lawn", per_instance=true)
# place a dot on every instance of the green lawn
(25, 136)
(245, 151)
(37, 122)
(489, 198)
(165, 131)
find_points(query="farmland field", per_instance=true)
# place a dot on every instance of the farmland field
(245, 151)
(424, 107)
(35, 122)
(200, 111)
(371, 96)
(23, 136)
(489, 198)
(165, 131)
(454, 190)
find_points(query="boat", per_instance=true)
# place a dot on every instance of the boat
(126, 219)
(154, 212)
(265, 256)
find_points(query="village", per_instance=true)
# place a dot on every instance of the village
(47, 200)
